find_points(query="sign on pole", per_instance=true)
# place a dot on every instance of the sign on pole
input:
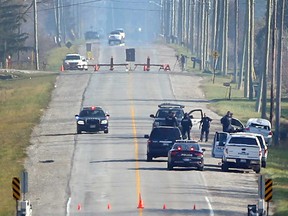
(16, 188)
(268, 190)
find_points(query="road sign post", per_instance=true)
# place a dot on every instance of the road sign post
(215, 57)
(268, 192)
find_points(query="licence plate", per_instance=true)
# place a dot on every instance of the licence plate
(92, 126)
(186, 159)
(243, 161)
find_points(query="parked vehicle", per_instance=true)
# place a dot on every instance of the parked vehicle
(186, 153)
(220, 139)
(161, 140)
(75, 61)
(242, 151)
(260, 126)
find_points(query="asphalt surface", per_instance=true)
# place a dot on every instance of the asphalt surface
(107, 174)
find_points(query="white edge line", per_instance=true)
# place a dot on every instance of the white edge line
(210, 206)
(68, 206)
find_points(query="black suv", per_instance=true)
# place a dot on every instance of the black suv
(92, 119)
(161, 140)
(163, 111)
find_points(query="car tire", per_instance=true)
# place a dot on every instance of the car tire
(201, 168)
(169, 166)
(106, 131)
(149, 158)
(257, 169)
(225, 167)
(79, 131)
(263, 164)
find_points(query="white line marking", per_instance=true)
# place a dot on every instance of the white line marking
(210, 206)
(68, 206)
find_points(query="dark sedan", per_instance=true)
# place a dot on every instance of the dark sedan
(186, 153)
(92, 119)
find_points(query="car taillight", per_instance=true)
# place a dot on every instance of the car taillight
(198, 154)
(247, 129)
(173, 153)
(226, 150)
(265, 151)
(271, 133)
(149, 142)
(260, 152)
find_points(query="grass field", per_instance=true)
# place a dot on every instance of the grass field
(23, 100)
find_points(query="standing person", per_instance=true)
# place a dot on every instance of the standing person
(205, 124)
(226, 122)
(171, 120)
(186, 124)
(183, 62)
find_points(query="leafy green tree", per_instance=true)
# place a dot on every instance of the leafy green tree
(11, 38)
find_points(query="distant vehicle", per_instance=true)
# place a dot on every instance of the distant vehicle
(161, 140)
(260, 126)
(115, 38)
(75, 62)
(242, 151)
(178, 110)
(92, 119)
(122, 32)
(92, 35)
(186, 153)
(220, 139)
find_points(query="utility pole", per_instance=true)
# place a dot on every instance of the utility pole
(36, 49)
(274, 47)
(236, 41)
(279, 77)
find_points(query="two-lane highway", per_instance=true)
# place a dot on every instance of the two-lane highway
(107, 174)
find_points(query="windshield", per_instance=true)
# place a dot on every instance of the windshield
(165, 133)
(92, 113)
(243, 140)
(162, 113)
(72, 57)
(187, 147)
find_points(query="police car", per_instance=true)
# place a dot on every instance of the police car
(92, 119)
(163, 111)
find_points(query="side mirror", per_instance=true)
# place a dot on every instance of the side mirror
(152, 116)
(203, 149)
(146, 136)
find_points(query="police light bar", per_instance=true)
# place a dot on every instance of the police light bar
(170, 105)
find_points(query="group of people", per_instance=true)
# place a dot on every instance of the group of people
(186, 125)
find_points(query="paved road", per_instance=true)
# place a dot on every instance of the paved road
(104, 174)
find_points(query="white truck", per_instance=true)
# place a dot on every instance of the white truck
(75, 61)
(242, 151)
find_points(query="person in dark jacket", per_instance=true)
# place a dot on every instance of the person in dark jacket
(205, 126)
(186, 124)
(226, 122)
(171, 120)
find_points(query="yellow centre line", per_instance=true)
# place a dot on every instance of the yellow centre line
(135, 141)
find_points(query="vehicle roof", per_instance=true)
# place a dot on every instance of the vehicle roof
(260, 121)
(246, 135)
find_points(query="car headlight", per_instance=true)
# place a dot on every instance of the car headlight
(156, 124)
(80, 122)
(104, 122)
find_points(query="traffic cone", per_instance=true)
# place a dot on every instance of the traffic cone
(140, 204)
(78, 207)
(194, 207)
(62, 68)
(164, 206)
(109, 206)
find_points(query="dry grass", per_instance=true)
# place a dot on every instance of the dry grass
(22, 101)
